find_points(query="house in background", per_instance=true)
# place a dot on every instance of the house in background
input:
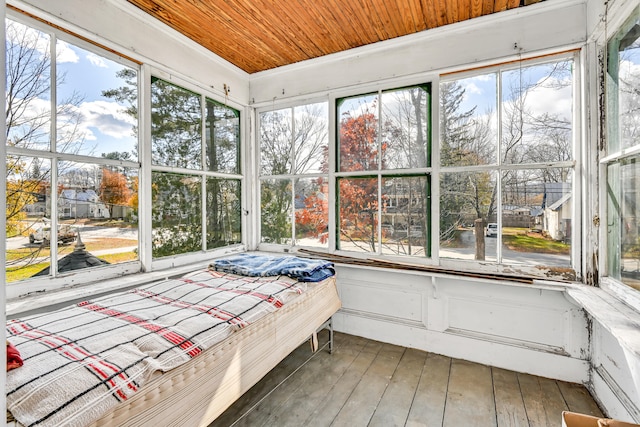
(201, 100)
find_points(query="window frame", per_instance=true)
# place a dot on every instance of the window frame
(98, 279)
(292, 177)
(58, 280)
(148, 167)
(609, 113)
(435, 168)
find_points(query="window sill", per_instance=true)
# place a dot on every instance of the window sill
(621, 320)
(52, 300)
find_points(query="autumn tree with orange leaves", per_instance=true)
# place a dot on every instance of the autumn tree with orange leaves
(114, 189)
(359, 196)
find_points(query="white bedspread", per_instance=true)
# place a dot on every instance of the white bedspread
(81, 361)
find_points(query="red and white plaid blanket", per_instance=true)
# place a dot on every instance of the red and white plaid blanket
(81, 361)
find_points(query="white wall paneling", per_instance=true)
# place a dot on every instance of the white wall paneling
(525, 328)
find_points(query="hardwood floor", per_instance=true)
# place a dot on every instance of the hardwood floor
(368, 383)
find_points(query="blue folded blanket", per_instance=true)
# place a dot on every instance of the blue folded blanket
(302, 269)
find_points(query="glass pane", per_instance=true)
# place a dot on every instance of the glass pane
(99, 203)
(536, 217)
(96, 116)
(405, 216)
(276, 211)
(224, 212)
(176, 120)
(358, 133)
(627, 81)
(28, 91)
(311, 139)
(222, 138)
(312, 212)
(275, 142)
(537, 109)
(467, 206)
(468, 121)
(176, 213)
(405, 133)
(27, 212)
(358, 214)
(623, 227)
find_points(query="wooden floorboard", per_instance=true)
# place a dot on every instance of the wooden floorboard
(368, 383)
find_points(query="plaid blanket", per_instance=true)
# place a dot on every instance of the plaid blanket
(302, 269)
(82, 360)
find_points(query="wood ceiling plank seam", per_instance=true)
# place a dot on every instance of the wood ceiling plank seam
(230, 40)
(360, 21)
(476, 8)
(405, 21)
(417, 16)
(326, 23)
(391, 17)
(252, 26)
(429, 12)
(365, 34)
(512, 4)
(499, 6)
(308, 35)
(464, 10)
(451, 11)
(372, 16)
(234, 50)
(488, 7)
(285, 39)
(440, 7)
(262, 30)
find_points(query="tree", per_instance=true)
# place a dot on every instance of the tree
(28, 116)
(359, 196)
(114, 189)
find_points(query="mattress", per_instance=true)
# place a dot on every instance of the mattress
(195, 393)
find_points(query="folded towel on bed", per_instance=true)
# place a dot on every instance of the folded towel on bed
(302, 269)
(13, 357)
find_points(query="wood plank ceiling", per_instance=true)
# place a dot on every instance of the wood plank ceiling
(258, 35)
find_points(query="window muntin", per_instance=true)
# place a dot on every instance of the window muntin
(622, 170)
(294, 165)
(196, 203)
(177, 210)
(224, 212)
(222, 138)
(176, 122)
(507, 184)
(93, 130)
(388, 134)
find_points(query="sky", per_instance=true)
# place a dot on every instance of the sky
(103, 125)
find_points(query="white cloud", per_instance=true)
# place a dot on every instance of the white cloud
(96, 60)
(553, 98)
(64, 53)
(107, 117)
(472, 88)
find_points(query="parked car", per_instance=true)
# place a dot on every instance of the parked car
(66, 234)
(491, 230)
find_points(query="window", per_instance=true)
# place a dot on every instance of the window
(622, 162)
(72, 165)
(507, 164)
(74, 171)
(294, 186)
(196, 181)
(383, 178)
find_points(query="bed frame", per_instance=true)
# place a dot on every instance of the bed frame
(197, 392)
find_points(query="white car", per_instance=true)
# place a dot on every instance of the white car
(491, 230)
(66, 234)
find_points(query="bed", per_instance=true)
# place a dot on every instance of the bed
(193, 381)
